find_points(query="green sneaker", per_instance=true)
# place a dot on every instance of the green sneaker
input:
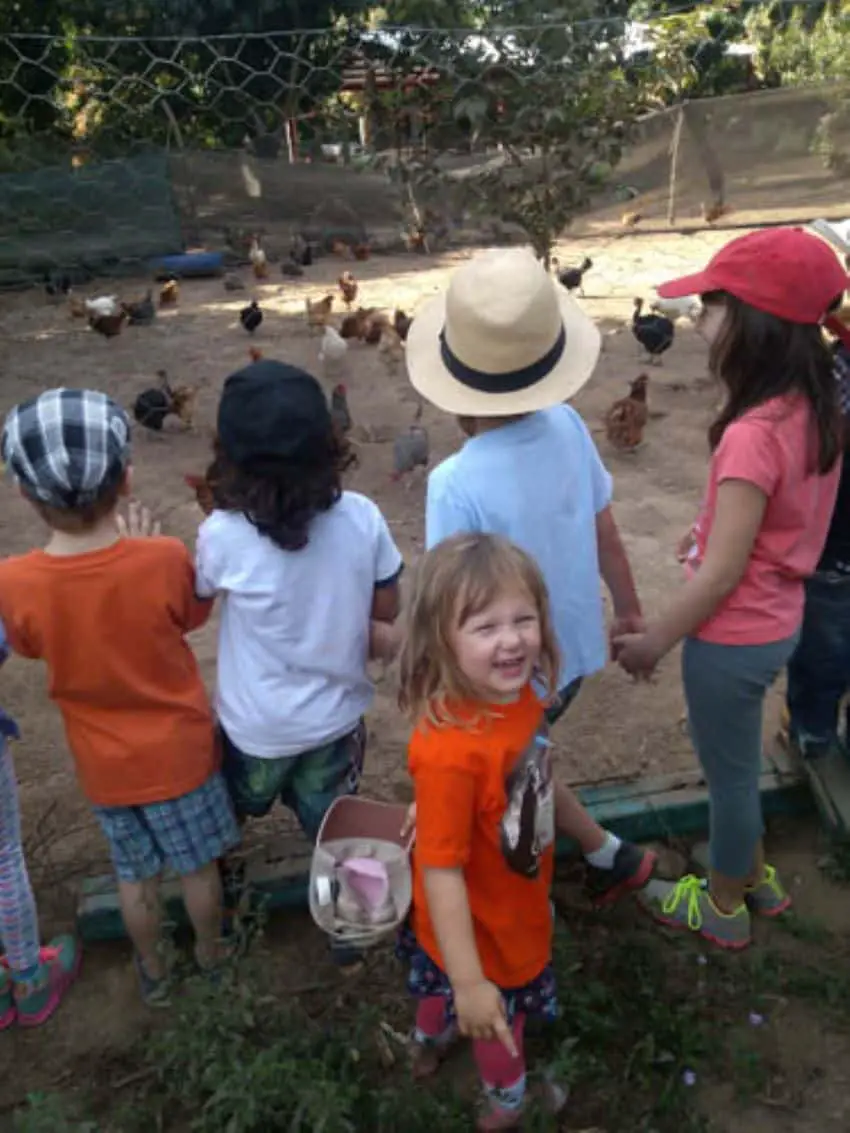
(37, 999)
(768, 898)
(687, 904)
(8, 1014)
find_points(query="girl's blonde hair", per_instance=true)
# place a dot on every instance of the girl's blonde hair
(456, 580)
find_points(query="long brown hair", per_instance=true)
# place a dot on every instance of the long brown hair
(757, 356)
(456, 580)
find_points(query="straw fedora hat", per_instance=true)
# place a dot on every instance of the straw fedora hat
(503, 339)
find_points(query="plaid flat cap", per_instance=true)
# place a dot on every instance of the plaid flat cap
(66, 446)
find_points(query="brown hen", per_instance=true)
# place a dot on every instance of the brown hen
(626, 420)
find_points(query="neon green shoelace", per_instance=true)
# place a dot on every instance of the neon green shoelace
(688, 889)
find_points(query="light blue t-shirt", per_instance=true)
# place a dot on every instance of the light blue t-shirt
(539, 482)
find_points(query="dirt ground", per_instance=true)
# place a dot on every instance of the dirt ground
(616, 729)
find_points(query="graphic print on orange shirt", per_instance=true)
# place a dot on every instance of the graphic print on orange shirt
(485, 806)
(528, 824)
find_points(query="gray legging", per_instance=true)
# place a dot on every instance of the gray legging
(725, 687)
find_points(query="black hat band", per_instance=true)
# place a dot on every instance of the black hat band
(510, 381)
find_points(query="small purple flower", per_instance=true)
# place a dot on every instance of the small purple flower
(689, 1078)
(756, 1020)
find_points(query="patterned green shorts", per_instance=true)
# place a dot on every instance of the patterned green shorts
(306, 783)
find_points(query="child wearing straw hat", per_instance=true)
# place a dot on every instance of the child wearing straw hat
(502, 349)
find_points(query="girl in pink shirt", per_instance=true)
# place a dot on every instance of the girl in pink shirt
(771, 488)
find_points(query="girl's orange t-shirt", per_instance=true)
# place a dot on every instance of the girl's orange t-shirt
(485, 805)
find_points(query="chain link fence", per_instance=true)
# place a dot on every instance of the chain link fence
(114, 151)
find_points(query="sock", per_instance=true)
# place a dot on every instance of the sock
(507, 1097)
(603, 858)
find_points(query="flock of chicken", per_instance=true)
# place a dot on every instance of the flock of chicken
(626, 419)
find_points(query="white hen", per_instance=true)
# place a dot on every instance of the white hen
(103, 306)
(332, 352)
(687, 307)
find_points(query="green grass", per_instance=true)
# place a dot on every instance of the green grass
(648, 1023)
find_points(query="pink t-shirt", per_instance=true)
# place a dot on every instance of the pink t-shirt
(772, 447)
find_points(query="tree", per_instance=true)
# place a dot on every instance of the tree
(545, 113)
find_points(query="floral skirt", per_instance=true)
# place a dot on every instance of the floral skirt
(537, 998)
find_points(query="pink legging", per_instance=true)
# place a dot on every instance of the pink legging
(497, 1068)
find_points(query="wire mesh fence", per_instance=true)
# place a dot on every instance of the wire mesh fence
(113, 151)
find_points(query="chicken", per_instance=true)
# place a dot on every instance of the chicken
(300, 252)
(56, 286)
(631, 219)
(233, 282)
(332, 352)
(375, 322)
(251, 316)
(655, 333)
(109, 326)
(626, 420)
(77, 307)
(416, 240)
(573, 278)
(391, 351)
(254, 354)
(352, 325)
(342, 249)
(411, 449)
(714, 211)
(103, 305)
(141, 313)
(169, 293)
(259, 263)
(153, 405)
(401, 323)
(361, 252)
(349, 287)
(203, 492)
(340, 413)
(686, 307)
(319, 311)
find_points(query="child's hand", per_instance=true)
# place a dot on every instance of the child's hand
(139, 522)
(637, 653)
(481, 1014)
(685, 545)
(409, 824)
(621, 627)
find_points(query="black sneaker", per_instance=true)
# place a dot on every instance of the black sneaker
(632, 869)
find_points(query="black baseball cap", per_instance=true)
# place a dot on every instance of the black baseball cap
(271, 409)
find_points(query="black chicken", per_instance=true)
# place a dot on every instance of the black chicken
(573, 278)
(251, 316)
(654, 332)
(57, 285)
(153, 405)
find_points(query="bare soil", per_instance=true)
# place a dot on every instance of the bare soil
(616, 729)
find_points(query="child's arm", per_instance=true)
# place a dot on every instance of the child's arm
(617, 574)
(478, 1002)
(738, 515)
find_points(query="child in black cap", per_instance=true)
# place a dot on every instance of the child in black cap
(303, 568)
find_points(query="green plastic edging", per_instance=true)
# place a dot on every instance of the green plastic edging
(629, 815)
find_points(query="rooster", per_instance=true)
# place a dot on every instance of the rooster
(626, 420)
(655, 333)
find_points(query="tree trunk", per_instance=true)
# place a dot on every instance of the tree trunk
(696, 123)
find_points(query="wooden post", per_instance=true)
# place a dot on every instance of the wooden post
(674, 166)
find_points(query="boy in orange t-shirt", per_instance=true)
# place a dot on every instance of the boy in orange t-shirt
(109, 615)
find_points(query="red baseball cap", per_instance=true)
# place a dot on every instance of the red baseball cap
(786, 272)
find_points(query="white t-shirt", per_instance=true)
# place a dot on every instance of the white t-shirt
(294, 635)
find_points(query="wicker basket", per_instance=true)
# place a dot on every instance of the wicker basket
(355, 829)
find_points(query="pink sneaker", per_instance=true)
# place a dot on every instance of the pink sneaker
(493, 1117)
(38, 999)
